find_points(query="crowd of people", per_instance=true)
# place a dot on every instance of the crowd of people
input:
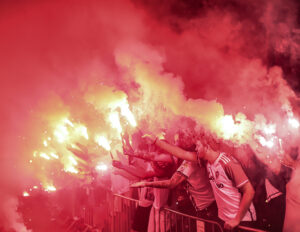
(229, 185)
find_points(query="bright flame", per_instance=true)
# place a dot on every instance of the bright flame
(101, 167)
(227, 126)
(294, 123)
(128, 114)
(229, 129)
(103, 142)
(266, 143)
(50, 188)
(25, 194)
(115, 121)
(71, 169)
(68, 122)
(82, 130)
(45, 156)
(73, 160)
(54, 155)
(61, 133)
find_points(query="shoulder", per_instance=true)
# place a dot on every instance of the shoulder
(227, 160)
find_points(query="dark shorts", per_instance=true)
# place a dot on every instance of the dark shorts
(141, 218)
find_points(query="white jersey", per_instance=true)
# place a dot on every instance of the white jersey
(198, 188)
(226, 177)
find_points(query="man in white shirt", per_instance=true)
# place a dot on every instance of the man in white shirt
(224, 175)
(198, 187)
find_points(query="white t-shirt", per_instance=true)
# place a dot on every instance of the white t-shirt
(226, 176)
(199, 188)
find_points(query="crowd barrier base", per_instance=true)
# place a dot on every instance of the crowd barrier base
(120, 215)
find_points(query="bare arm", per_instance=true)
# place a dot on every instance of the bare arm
(175, 180)
(138, 172)
(247, 196)
(176, 151)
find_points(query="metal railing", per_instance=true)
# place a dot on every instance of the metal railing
(169, 220)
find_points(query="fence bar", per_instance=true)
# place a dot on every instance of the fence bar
(122, 211)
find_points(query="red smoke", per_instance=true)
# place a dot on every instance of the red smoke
(193, 54)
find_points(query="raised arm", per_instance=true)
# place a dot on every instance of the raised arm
(133, 170)
(175, 180)
(176, 151)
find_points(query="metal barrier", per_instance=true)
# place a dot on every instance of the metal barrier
(169, 220)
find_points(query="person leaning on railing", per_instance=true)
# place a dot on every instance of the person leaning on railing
(226, 176)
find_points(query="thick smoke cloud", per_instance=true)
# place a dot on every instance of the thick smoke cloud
(193, 58)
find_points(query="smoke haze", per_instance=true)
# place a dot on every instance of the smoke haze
(199, 59)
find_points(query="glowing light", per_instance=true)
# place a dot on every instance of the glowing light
(71, 169)
(228, 127)
(128, 114)
(35, 187)
(35, 153)
(101, 167)
(45, 143)
(266, 143)
(50, 188)
(30, 161)
(73, 160)
(25, 194)
(115, 121)
(82, 130)
(294, 123)
(68, 122)
(269, 129)
(61, 133)
(45, 156)
(103, 142)
(54, 155)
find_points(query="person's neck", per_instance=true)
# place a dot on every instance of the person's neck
(212, 156)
